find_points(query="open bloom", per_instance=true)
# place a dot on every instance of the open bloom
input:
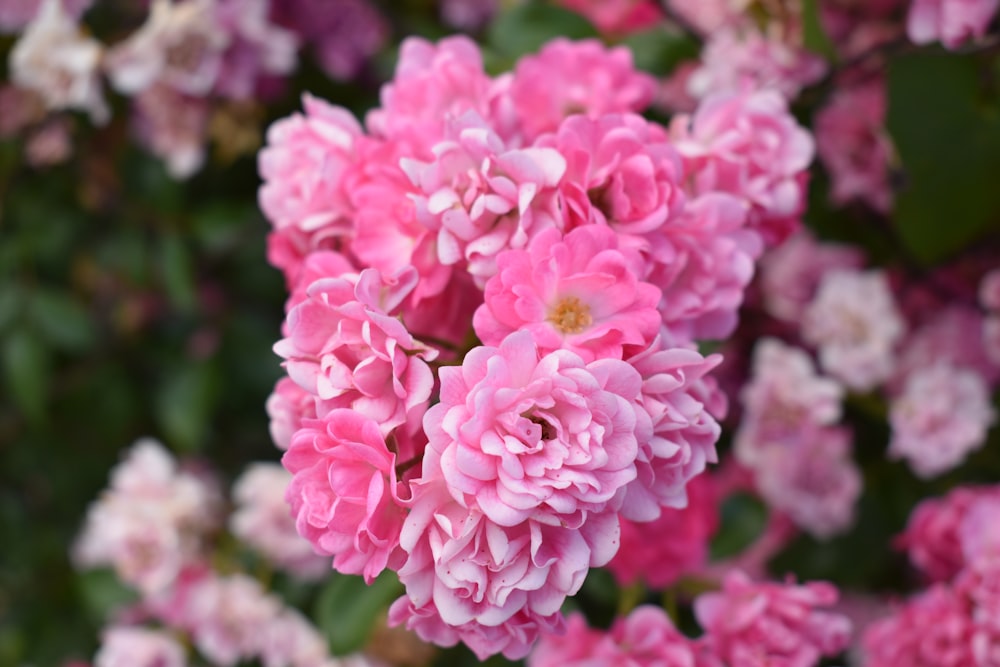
(123, 646)
(523, 436)
(578, 292)
(950, 22)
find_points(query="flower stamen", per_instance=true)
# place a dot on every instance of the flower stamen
(570, 316)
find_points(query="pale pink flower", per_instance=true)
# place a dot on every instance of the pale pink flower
(989, 290)
(749, 145)
(784, 402)
(290, 640)
(767, 623)
(933, 536)
(49, 144)
(621, 172)
(287, 406)
(734, 59)
(617, 17)
(262, 520)
(703, 262)
(645, 638)
(228, 618)
(303, 168)
(678, 396)
(950, 334)
(710, 15)
(815, 483)
(345, 347)
(173, 126)
(152, 520)
(54, 58)
(15, 14)
(258, 49)
(661, 551)
(950, 22)
(123, 646)
(576, 292)
(482, 197)
(940, 417)
(344, 492)
(932, 629)
(567, 78)
(979, 532)
(855, 146)
(522, 434)
(790, 273)
(431, 84)
(855, 324)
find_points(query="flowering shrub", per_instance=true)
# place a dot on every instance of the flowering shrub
(628, 332)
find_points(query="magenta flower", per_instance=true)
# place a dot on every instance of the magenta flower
(578, 292)
(523, 436)
(770, 624)
(567, 78)
(345, 348)
(344, 492)
(950, 22)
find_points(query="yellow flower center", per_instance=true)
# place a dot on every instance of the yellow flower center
(570, 315)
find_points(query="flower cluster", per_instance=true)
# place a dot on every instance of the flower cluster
(496, 284)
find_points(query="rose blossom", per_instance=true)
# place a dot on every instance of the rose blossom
(577, 292)
(942, 414)
(949, 21)
(262, 520)
(989, 299)
(287, 406)
(123, 646)
(767, 623)
(228, 617)
(854, 322)
(525, 435)
(344, 492)
(344, 347)
(952, 334)
(617, 17)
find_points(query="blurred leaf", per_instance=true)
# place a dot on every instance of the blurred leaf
(742, 520)
(526, 27)
(102, 593)
(659, 50)
(184, 404)
(61, 320)
(949, 144)
(10, 303)
(220, 225)
(178, 272)
(814, 36)
(26, 368)
(347, 608)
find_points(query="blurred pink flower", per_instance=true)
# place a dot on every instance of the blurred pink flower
(173, 126)
(123, 646)
(617, 17)
(16, 14)
(778, 625)
(576, 292)
(344, 492)
(950, 22)
(228, 618)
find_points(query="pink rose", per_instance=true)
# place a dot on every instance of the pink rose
(950, 22)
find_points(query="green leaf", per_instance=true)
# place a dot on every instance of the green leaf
(178, 273)
(659, 50)
(10, 303)
(26, 363)
(61, 320)
(347, 608)
(184, 404)
(526, 27)
(949, 144)
(814, 37)
(102, 593)
(743, 518)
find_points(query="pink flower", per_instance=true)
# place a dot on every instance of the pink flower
(344, 347)
(784, 401)
(173, 126)
(15, 14)
(932, 629)
(123, 646)
(790, 273)
(989, 290)
(854, 322)
(303, 168)
(344, 492)
(661, 551)
(578, 292)
(621, 172)
(740, 58)
(949, 334)
(678, 396)
(228, 617)
(772, 624)
(314, 266)
(287, 406)
(710, 15)
(262, 520)
(258, 49)
(290, 640)
(431, 84)
(989, 298)
(523, 435)
(979, 531)
(816, 483)
(942, 414)
(617, 17)
(482, 197)
(646, 637)
(567, 78)
(854, 145)
(950, 22)
(749, 145)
